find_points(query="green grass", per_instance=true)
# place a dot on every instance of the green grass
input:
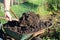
(20, 9)
(42, 11)
(2, 20)
(1, 13)
(36, 2)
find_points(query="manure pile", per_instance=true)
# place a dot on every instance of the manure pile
(28, 23)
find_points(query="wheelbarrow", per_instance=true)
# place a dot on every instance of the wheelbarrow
(17, 36)
(28, 36)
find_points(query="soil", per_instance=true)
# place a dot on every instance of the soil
(28, 23)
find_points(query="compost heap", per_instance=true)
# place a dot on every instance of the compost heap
(28, 23)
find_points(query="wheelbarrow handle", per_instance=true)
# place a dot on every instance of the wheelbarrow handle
(13, 13)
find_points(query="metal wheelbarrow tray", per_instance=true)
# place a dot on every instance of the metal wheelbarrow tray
(18, 36)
